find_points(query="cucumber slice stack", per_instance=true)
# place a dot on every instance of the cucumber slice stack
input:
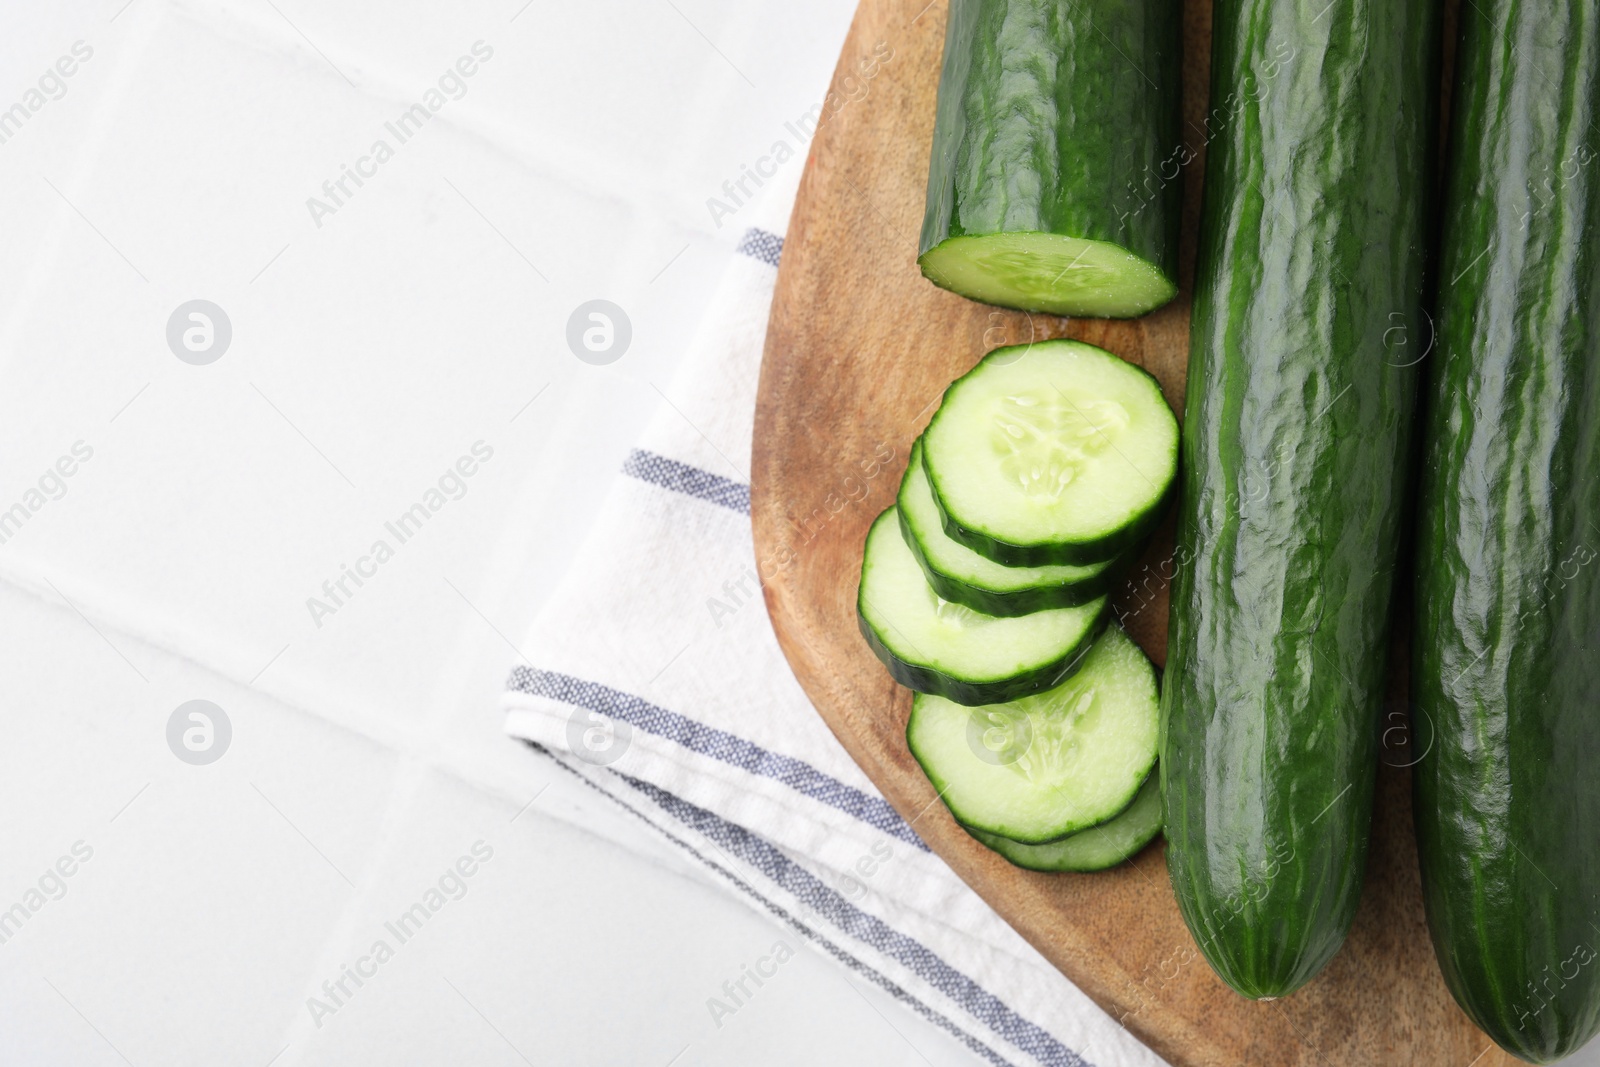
(984, 589)
(934, 646)
(958, 573)
(1093, 849)
(1063, 780)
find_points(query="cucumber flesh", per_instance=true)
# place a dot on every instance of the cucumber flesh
(1049, 273)
(958, 573)
(1096, 848)
(1050, 764)
(1053, 452)
(934, 646)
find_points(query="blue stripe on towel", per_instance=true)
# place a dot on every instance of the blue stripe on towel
(759, 244)
(866, 928)
(717, 744)
(844, 957)
(691, 481)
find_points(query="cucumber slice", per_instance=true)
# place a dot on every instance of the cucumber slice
(1096, 848)
(1050, 764)
(1052, 452)
(1050, 273)
(934, 646)
(958, 573)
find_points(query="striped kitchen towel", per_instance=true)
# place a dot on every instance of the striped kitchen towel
(656, 679)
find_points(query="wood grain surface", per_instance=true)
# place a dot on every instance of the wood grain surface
(859, 348)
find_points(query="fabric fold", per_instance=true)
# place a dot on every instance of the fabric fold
(656, 679)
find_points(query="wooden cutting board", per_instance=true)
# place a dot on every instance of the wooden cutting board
(859, 348)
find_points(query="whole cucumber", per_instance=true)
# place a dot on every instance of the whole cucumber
(1296, 431)
(1506, 664)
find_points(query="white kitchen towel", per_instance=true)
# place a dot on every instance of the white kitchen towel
(656, 678)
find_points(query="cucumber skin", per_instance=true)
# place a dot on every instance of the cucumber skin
(922, 679)
(1032, 857)
(1312, 249)
(1112, 116)
(1018, 602)
(1126, 539)
(993, 602)
(1508, 585)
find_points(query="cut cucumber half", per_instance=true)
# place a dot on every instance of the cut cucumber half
(1052, 452)
(1050, 273)
(934, 646)
(1096, 848)
(958, 573)
(1050, 764)
(1053, 180)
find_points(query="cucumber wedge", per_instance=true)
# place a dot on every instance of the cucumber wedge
(1050, 764)
(958, 573)
(1050, 453)
(934, 646)
(1096, 848)
(1053, 184)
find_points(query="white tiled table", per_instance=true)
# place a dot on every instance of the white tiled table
(368, 353)
(371, 347)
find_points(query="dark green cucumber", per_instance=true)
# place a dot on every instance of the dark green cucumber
(1296, 428)
(1506, 667)
(1096, 848)
(1054, 180)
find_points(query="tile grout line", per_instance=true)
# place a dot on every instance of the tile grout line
(559, 162)
(431, 747)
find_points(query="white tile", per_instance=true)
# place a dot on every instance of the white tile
(416, 330)
(368, 353)
(564, 950)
